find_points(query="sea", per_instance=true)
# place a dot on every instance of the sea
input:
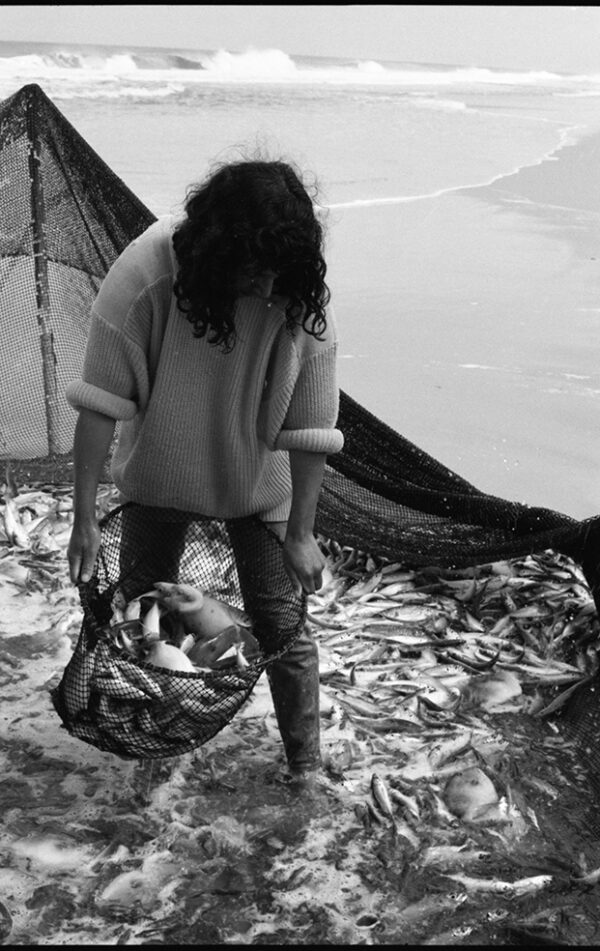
(462, 214)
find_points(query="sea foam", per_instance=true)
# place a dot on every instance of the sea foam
(43, 62)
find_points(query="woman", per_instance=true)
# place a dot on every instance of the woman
(212, 343)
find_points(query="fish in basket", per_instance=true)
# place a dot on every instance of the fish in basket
(168, 671)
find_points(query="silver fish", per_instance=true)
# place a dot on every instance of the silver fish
(448, 856)
(381, 796)
(523, 886)
(382, 800)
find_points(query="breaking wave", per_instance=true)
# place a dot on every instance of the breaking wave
(45, 62)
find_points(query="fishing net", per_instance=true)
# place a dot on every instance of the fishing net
(134, 708)
(66, 217)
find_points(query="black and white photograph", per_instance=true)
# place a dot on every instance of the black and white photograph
(299, 475)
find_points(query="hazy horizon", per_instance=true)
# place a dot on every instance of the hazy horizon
(551, 38)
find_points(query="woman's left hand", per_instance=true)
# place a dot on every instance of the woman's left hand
(304, 563)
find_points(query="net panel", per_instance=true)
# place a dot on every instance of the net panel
(473, 532)
(65, 218)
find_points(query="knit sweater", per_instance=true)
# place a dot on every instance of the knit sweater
(202, 430)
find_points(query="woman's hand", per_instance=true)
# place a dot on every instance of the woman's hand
(303, 562)
(83, 549)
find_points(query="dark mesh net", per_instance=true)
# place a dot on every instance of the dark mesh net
(65, 218)
(384, 494)
(134, 708)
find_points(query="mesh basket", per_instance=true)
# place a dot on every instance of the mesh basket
(133, 708)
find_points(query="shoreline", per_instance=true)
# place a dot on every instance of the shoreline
(557, 172)
(570, 177)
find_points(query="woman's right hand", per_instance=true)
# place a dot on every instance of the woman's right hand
(83, 548)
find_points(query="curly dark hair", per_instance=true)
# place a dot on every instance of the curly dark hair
(246, 218)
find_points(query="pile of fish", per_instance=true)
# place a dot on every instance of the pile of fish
(421, 669)
(178, 627)
(35, 527)
(417, 647)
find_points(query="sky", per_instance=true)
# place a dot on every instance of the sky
(544, 37)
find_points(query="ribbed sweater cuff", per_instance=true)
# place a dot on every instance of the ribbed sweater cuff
(310, 440)
(87, 396)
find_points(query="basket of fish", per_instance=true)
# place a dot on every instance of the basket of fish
(169, 670)
(160, 667)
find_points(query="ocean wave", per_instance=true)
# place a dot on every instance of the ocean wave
(161, 60)
(253, 64)
(38, 61)
(67, 64)
(133, 92)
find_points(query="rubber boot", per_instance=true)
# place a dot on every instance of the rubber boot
(294, 683)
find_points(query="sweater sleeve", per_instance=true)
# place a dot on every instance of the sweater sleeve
(115, 380)
(310, 422)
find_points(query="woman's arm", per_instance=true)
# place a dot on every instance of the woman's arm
(302, 557)
(93, 437)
